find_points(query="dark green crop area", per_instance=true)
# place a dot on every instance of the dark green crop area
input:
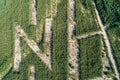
(109, 11)
(60, 42)
(85, 17)
(90, 58)
(114, 35)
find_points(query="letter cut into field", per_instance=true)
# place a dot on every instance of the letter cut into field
(33, 45)
(48, 35)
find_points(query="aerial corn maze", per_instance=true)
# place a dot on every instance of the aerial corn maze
(59, 39)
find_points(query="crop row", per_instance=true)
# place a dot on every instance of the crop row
(60, 42)
(109, 11)
(85, 17)
(90, 58)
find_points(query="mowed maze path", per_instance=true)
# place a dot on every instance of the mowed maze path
(47, 41)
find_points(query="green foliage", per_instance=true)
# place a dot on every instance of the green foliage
(6, 40)
(85, 17)
(12, 12)
(42, 72)
(109, 11)
(59, 43)
(90, 58)
(41, 16)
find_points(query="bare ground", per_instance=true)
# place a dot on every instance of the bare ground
(105, 61)
(99, 78)
(48, 35)
(73, 46)
(33, 14)
(17, 53)
(89, 35)
(48, 29)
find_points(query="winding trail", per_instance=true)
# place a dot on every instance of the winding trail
(107, 42)
(73, 46)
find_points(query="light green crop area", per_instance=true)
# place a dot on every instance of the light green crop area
(6, 38)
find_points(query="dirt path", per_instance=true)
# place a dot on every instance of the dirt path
(48, 29)
(17, 53)
(107, 42)
(73, 46)
(48, 36)
(105, 61)
(33, 12)
(89, 35)
(32, 73)
(99, 78)
(33, 45)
